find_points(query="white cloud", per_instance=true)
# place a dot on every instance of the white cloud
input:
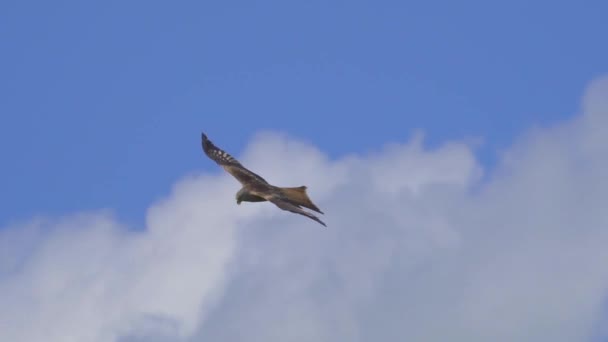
(87, 278)
(416, 249)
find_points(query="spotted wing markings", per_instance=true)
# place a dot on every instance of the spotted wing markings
(229, 163)
(223, 157)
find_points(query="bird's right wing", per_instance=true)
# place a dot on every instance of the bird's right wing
(285, 205)
(229, 163)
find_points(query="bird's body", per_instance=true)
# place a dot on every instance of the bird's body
(257, 189)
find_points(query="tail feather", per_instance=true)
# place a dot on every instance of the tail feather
(298, 196)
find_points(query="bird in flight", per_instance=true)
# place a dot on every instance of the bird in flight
(257, 189)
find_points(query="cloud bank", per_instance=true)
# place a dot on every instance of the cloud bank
(419, 247)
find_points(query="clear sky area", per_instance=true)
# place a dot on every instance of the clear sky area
(457, 149)
(103, 102)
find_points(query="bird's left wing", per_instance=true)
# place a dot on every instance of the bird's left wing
(229, 163)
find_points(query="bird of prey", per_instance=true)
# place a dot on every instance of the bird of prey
(257, 189)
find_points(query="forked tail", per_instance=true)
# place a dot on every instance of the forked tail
(297, 195)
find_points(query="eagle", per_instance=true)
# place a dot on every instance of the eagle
(257, 189)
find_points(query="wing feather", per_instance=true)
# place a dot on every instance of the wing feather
(285, 205)
(229, 163)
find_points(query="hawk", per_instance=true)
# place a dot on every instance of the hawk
(257, 189)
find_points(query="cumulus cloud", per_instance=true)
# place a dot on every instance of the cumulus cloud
(419, 247)
(88, 278)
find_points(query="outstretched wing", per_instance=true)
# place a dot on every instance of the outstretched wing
(285, 205)
(229, 163)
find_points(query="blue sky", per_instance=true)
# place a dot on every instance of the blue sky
(103, 103)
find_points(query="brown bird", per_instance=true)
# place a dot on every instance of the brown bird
(257, 189)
